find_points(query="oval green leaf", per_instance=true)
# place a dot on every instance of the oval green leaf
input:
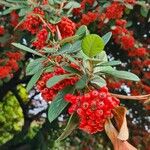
(92, 45)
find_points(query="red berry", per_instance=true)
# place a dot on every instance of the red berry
(95, 93)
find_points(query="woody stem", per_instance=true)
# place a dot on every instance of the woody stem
(140, 98)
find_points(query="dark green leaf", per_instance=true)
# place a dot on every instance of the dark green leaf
(70, 48)
(65, 48)
(71, 59)
(34, 79)
(92, 45)
(55, 79)
(82, 82)
(25, 48)
(71, 70)
(58, 104)
(144, 11)
(72, 4)
(119, 74)
(34, 66)
(69, 39)
(71, 125)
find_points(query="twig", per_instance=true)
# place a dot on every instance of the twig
(140, 98)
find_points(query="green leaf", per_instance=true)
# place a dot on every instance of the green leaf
(51, 2)
(34, 79)
(144, 11)
(92, 45)
(82, 31)
(58, 104)
(34, 66)
(129, 6)
(71, 59)
(49, 69)
(71, 70)
(72, 4)
(107, 37)
(70, 48)
(76, 47)
(9, 10)
(98, 81)
(71, 125)
(25, 48)
(69, 39)
(82, 82)
(49, 50)
(54, 19)
(109, 63)
(24, 11)
(65, 48)
(119, 74)
(55, 79)
(102, 56)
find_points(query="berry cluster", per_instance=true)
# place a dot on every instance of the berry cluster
(125, 38)
(67, 27)
(9, 64)
(114, 11)
(33, 22)
(93, 109)
(41, 38)
(49, 93)
(88, 18)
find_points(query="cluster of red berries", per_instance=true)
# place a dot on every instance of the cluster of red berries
(138, 52)
(125, 38)
(114, 11)
(93, 109)
(32, 22)
(83, 4)
(127, 41)
(41, 38)
(9, 64)
(49, 93)
(88, 18)
(67, 27)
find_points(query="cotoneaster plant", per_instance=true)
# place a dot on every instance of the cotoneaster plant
(73, 75)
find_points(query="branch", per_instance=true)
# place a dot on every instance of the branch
(38, 114)
(139, 98)
(22, 105)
